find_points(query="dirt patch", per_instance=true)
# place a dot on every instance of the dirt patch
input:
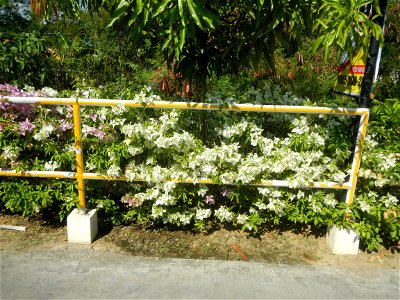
(285, 247)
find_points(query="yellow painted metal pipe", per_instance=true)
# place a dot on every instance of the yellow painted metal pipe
(95, 176)
(79, 156)
(193, 105)
(40, 174)
(275, 183)
(362, 132)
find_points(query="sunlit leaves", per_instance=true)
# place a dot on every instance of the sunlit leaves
(344, 25)
(201, 37)
(119, 11)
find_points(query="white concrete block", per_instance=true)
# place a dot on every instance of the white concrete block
(343, 241)
(82, 228)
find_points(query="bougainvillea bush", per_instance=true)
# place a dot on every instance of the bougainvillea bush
(155, 145)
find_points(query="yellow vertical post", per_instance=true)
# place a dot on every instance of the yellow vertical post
(362, 132)
(79, 156)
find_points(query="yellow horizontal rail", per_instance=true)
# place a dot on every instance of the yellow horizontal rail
(191, 105)
(95, 176)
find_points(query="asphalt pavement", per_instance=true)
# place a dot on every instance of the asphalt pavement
(88, 274)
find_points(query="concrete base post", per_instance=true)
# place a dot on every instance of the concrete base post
(81, 227)
(343, 241)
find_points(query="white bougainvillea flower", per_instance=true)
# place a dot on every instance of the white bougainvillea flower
(51, 165)
(113, 170)
(11, 153)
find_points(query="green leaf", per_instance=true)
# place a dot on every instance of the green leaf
(192, 9)
(166, 43)
(118, 12)
(145, 17)
(322, 23)
(317, 44)
(180, 6)
(139, 6)
(182, 38)
(161, 7)
(339, 28)
(208, 17)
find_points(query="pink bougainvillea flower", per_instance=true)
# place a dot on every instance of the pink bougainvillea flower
(4, 105)
(93, 131)
(69, 111)
(65, 126)
(131, 201)
(99, 134)
(26, 126)
(209, 200)
(93, 117)
(226, 192)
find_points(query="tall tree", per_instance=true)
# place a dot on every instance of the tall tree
(201, 37)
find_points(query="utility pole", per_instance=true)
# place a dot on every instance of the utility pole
(370, 74)
(373, 60)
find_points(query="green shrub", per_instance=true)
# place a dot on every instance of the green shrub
(155, 145)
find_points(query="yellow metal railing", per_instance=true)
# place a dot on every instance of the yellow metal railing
(80, 175)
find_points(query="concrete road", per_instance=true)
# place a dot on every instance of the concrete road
(87, 274)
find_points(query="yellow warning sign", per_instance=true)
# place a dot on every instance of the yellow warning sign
(351, 73)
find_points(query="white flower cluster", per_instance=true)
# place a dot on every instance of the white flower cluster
(203, 213)
(144, 98)
(367, 201)
(44, 132)
(202, 191)
(87, 93)
(390, 200)
(378, 165)
(162, 133)
(242, 219)
(364, 206)
(159, 148)
(119, 109)
(178, 218)
(275, 200)
(233, 130)
(113, 170)
(329, 200)
(223, 214)
(271, 157)
(207, 163)
(10, 153)
(272, 94)
(316, 205)
(300, 125)
(157, 211)
(50, 92)
(51, 165)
